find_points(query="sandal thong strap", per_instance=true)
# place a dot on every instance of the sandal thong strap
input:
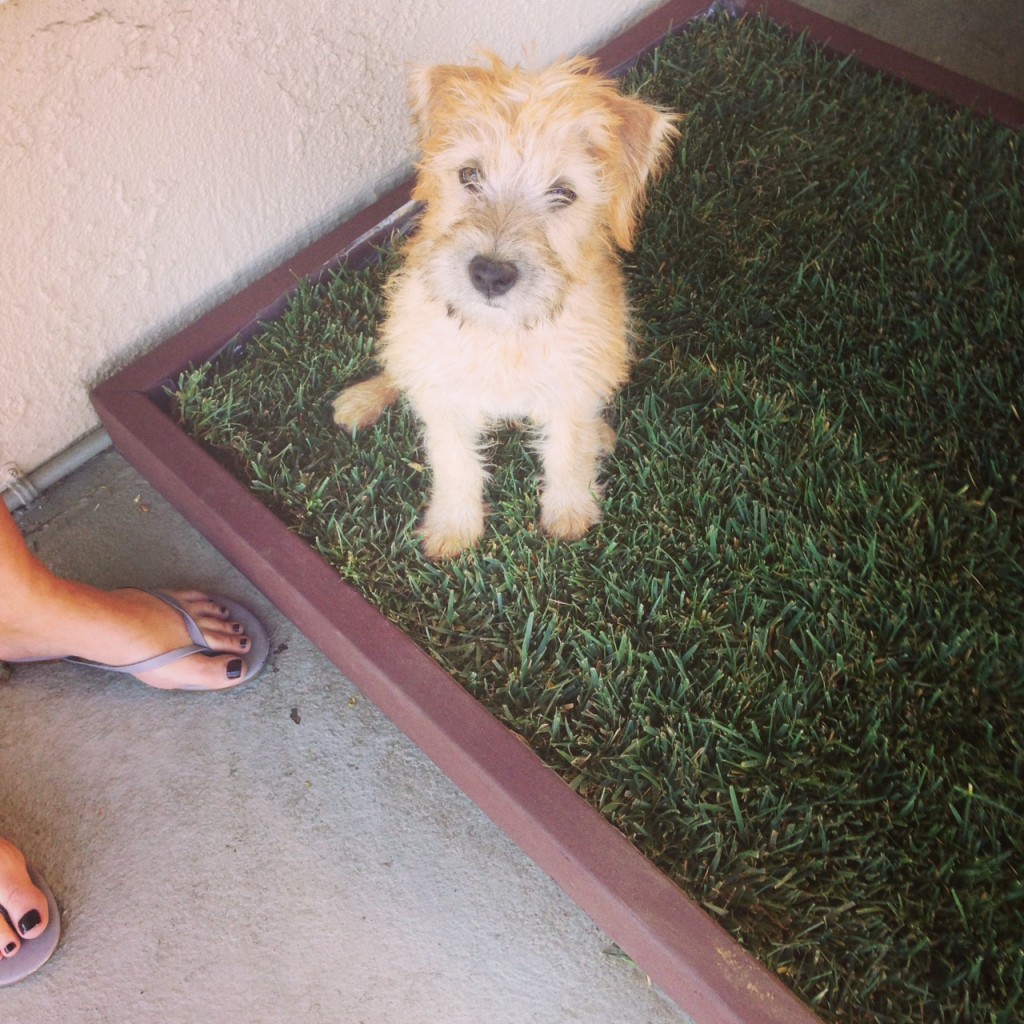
(198, 645)
(142, 666)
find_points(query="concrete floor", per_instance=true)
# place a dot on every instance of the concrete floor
(277, 852)
(281, 852)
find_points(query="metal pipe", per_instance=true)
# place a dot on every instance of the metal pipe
(23, 488)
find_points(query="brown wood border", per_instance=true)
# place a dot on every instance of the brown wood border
(686, 953)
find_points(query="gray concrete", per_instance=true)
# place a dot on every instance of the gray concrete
(218, 860)
(218, 857)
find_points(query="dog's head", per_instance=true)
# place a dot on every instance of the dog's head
(526, 178)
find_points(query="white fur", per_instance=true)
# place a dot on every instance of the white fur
(545, 173)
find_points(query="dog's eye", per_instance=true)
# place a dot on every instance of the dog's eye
(561, 195)
(471, 178)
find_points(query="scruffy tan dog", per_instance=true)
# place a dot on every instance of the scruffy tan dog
(510, 302)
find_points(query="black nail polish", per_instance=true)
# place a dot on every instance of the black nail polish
(244, 644)
(234, 668)
(236, 627)
(10, 948)
(29, 921)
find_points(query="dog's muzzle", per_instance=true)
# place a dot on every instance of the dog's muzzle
(492, 278)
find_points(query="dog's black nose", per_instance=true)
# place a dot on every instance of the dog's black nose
(492, 277)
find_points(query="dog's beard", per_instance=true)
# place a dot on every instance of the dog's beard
(537, 296)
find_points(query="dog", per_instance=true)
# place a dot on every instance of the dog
(509, 304)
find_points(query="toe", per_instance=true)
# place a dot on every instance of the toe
(200, 605)
(214, 673)
(219, 631)
(9, 943)
(25, 909)
(225, 636)
(197, 672)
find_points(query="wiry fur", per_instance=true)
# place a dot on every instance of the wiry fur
(545, 173)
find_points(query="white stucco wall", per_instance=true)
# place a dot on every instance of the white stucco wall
(155, 156)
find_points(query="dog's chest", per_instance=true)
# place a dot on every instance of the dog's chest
(500, 376)
(506, 376)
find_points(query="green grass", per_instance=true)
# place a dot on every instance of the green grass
(789, 663)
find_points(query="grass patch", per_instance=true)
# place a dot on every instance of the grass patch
(789, 663)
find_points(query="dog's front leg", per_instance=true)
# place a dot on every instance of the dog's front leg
(454, 519)
(571, 448)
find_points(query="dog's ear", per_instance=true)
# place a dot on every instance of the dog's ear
(643, 136)
(435, 91)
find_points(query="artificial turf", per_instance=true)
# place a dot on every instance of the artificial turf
(789, 663)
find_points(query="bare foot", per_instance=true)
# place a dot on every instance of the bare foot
(24, 913)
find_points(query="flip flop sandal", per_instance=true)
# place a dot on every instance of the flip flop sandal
(255, 657)
(34, 952)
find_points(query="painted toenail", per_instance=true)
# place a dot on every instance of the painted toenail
(10, 948)
(234, 668)
(244, 644)
(29, 921)
(236, 627)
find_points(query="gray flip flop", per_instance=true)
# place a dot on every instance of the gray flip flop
(34, 952)
(255, 658)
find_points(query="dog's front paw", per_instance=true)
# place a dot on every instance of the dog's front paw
(362, 404)
(440, 545)
(442, 537)
(567, 519)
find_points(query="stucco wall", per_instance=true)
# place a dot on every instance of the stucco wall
(157, 155)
